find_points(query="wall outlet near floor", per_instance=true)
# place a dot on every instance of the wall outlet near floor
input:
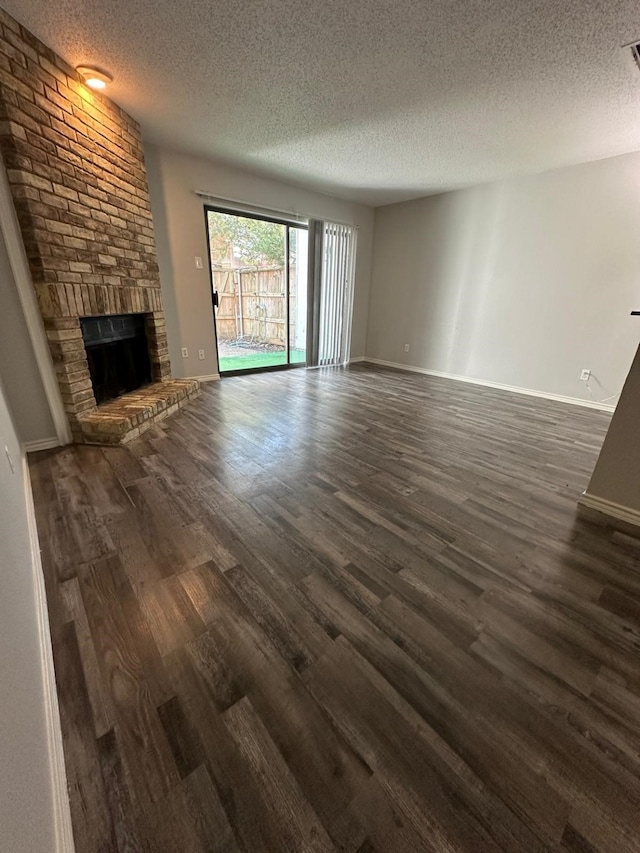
(201, 354)
(406, 347)
(185, 352)
(198, 263)
(585, 375)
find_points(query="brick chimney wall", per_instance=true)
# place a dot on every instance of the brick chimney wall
(76, 171)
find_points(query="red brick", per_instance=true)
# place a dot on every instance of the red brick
(78, 179)
(15, 40)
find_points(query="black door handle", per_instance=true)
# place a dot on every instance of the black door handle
(215, 299)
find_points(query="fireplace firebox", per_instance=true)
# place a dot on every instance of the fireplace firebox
(117, 354)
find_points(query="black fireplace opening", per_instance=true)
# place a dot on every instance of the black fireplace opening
(118, 354)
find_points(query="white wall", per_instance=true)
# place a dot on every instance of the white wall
(24, 390)
(178, 216)
(26, 804)
(616, 478)
(521, 282)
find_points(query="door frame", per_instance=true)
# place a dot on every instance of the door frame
(215, 208)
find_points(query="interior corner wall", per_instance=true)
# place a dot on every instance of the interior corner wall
(26, 797)
(616, 477)
(522, 282)
(179, 224)
(25, 394)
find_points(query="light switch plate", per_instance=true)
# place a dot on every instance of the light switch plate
(185, 352)
(198, 263)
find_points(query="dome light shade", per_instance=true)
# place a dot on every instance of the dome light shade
(94, 77)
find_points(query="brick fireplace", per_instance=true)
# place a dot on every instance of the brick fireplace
(76, 171)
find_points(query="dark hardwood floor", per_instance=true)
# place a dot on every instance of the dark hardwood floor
(344, 610)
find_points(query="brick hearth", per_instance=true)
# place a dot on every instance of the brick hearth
(120, 420)
(76, 171)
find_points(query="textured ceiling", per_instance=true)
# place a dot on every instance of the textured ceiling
(373, 100)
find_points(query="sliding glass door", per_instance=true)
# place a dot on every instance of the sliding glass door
(259, 284)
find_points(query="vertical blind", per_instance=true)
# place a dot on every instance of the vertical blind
(336, 293)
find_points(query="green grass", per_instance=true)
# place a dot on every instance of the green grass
(255, 360)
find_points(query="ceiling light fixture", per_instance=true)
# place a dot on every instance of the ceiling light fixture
(94, 77)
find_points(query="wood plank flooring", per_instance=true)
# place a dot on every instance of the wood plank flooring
(344, 610)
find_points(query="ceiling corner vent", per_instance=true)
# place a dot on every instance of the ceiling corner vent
(635, 52)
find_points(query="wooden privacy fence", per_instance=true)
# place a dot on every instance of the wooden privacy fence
(252, 304)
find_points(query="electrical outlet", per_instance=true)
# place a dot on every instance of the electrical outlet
(185, 352)
(201, 354)
(406, 347)
(198, 263)
(585, 375)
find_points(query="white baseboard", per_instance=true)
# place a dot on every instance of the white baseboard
(210, 378)
(40, 444)
(61, 809)
(515, 389)
(357, 359)
(617, 511)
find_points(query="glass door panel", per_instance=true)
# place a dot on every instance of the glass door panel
(249, 273)
(298, 262)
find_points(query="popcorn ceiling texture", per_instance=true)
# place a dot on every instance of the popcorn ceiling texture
(372, 100)
(76, 171)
